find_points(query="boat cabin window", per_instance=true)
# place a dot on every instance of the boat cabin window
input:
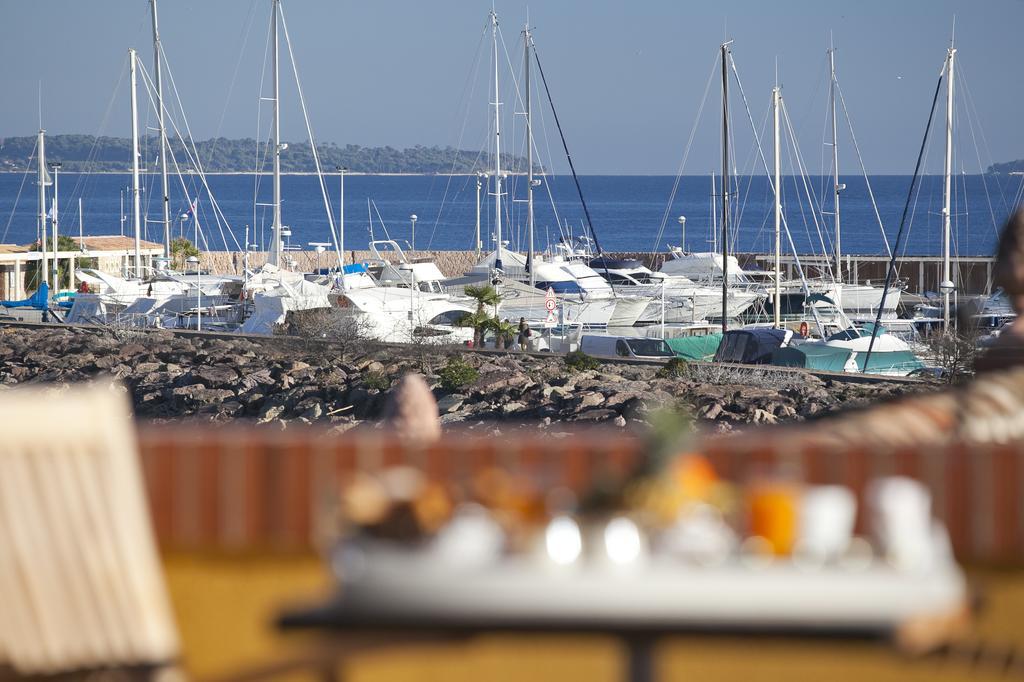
(449, 317)
(621, 348)
(616, 278)
(650, 348)
(845, 335)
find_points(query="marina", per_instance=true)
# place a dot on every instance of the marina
(378, 334)
(527, 292)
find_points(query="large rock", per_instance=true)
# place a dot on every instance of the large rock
(498, 379)
(596, 415)
(201, 394)
(254, 379)
(450, 403)
(215, 376)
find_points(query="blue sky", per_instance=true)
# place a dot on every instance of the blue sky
(627, 77)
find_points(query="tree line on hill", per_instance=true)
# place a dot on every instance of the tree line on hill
(1007, 167)
(88, 153)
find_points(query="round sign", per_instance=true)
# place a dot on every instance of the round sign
(549, 303)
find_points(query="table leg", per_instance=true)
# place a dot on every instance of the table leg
(641, 660)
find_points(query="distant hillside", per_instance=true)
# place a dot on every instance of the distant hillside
(90, 153)
(1007, 167)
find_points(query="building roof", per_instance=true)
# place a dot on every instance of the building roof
(114, 243)
(95, 245)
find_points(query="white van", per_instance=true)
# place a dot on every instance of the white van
(626, 347)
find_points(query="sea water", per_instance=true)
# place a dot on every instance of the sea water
(628, 213)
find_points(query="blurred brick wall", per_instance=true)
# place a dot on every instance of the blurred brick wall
(239, 489)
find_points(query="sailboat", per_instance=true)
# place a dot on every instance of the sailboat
(842, 346)
(719, 268)
(586, 299)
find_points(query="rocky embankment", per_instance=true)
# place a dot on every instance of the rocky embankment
(277, 381)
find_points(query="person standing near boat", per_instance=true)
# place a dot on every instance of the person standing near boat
(524, 334)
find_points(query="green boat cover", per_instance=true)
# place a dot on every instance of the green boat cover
(900, 362)
(696, 347)
(825, 358)
(816, 356)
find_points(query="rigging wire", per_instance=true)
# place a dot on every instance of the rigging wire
(686, 155)
(192, 154)
(572, 167)
(863, 169)
(977, 151)
(803, 175)
(261, 162)
(899, 235)
(219, 217)
(771, 182)
(21, 187)
(470, 86)
(83, 179)
(312, 143)
(246, 31)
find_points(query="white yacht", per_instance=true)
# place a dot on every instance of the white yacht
(682, 299)
(707, 268)
(585, 297)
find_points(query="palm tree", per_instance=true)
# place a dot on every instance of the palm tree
(480, 321)
(504, 332)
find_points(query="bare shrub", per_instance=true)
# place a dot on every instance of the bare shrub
(719, 374)
(319, 328)
(954, 352)
(126, 331)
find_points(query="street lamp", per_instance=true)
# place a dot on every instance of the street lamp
(55, 166)
(413, 218)
(194, 262)
(682, 230)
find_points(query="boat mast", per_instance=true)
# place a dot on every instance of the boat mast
(42, 181)
(164, 186)
(136, 212)
(275, 228)
(714, 213)
(777, 303)
(946, 287)
(836, 186)
(479, 186)
(529, 154)
(497, 145)
(341, 225)
(725, 186)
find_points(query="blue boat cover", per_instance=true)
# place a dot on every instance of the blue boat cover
(348, 269)
(751, 346)
(37, 300)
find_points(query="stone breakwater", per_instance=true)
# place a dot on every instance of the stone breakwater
(280, 381)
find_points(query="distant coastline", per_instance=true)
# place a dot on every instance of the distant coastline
(88, 153)
(19, 171)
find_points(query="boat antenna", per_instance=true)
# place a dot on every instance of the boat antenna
(572, 166)
(903, 222)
